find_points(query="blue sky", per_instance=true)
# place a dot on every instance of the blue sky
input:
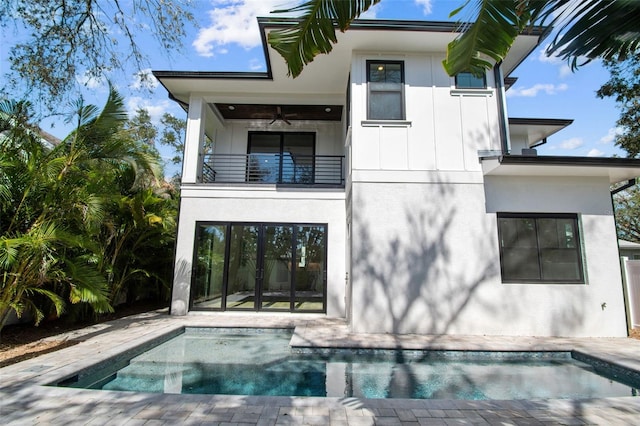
(228, 40)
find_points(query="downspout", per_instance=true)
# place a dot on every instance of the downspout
(623, 274)
(505, 143)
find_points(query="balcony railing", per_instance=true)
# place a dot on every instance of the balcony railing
(285, 169)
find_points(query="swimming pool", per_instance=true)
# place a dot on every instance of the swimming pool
(261, 362)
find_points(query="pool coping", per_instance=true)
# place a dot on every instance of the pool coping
(25, 399)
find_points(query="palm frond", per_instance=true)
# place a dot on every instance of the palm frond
(489, 38)
(88, 285)
(54, 298)
(596, 29)
(314, 33)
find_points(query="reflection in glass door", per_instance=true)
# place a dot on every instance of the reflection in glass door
(310, 268)
(209, 264)
(242, 267)
(260, 267)
(275, 283)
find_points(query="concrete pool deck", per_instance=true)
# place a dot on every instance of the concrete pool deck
(25, 400)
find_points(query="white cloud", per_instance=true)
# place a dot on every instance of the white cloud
(426, 6)
(542, 57)
(91, 81)
(255, 65)
(155, 108)
(144, 79)
(611, 135)
(232, 21)
(595, 153)
(572, 143)
(564, 70)
(549, 89)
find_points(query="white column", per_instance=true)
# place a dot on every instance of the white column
(194, 139)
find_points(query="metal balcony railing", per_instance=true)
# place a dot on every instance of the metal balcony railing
(287, 169)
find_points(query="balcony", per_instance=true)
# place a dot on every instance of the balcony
(279, 169)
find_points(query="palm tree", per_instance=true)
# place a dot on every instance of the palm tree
(56, 205)
(588, 29)
(38, 249)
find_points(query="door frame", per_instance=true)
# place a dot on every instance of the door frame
(259, 275)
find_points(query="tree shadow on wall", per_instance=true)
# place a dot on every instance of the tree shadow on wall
(425, 269)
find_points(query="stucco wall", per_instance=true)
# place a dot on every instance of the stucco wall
(261, 205)
(426, 260)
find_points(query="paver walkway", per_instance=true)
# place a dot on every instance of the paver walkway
(25, 400)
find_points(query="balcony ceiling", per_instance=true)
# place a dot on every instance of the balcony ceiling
(279, 112)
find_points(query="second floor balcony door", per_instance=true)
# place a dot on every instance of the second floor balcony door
(281, 157)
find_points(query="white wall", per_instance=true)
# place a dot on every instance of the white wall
(243, 204)
(445, 127)
(441, 267)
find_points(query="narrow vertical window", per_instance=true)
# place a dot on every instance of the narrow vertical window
(385, 81)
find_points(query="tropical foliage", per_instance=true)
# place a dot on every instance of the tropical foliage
(627, 210)
(85, 221)
(587, 30)
(624, 87)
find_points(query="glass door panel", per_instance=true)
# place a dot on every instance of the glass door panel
(297, 158)
(264, 158)
(310, 268)
(276, 267)
(243, 257)
(209, 275)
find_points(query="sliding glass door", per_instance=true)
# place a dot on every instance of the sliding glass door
(271, 267)
(281, 157)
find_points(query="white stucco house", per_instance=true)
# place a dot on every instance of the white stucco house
(376, 188)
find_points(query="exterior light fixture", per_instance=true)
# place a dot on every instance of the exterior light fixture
(327, 109)
(232, 108)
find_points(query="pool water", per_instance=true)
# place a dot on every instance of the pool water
(260, 362)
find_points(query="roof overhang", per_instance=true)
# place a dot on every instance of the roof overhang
(536, 130)
(615, 169)
(327, 76)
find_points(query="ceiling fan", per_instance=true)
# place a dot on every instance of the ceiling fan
(282, 117)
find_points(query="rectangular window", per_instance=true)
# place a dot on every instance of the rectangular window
(385, 81)
(466, 80)
(281, 157)
(540, 248)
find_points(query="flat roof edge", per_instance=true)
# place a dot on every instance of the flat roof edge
(396, 25)
(541, 121)
(553, 160)
(213, 74)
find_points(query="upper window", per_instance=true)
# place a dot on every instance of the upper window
(281, 157)
(385, 81)
(466, 80)
(540, 248)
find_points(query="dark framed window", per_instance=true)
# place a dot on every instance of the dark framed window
(467, 80)
(540, 248)
(281, 157)
(385, 83)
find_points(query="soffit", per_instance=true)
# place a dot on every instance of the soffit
(615, 169)
(536, 129)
